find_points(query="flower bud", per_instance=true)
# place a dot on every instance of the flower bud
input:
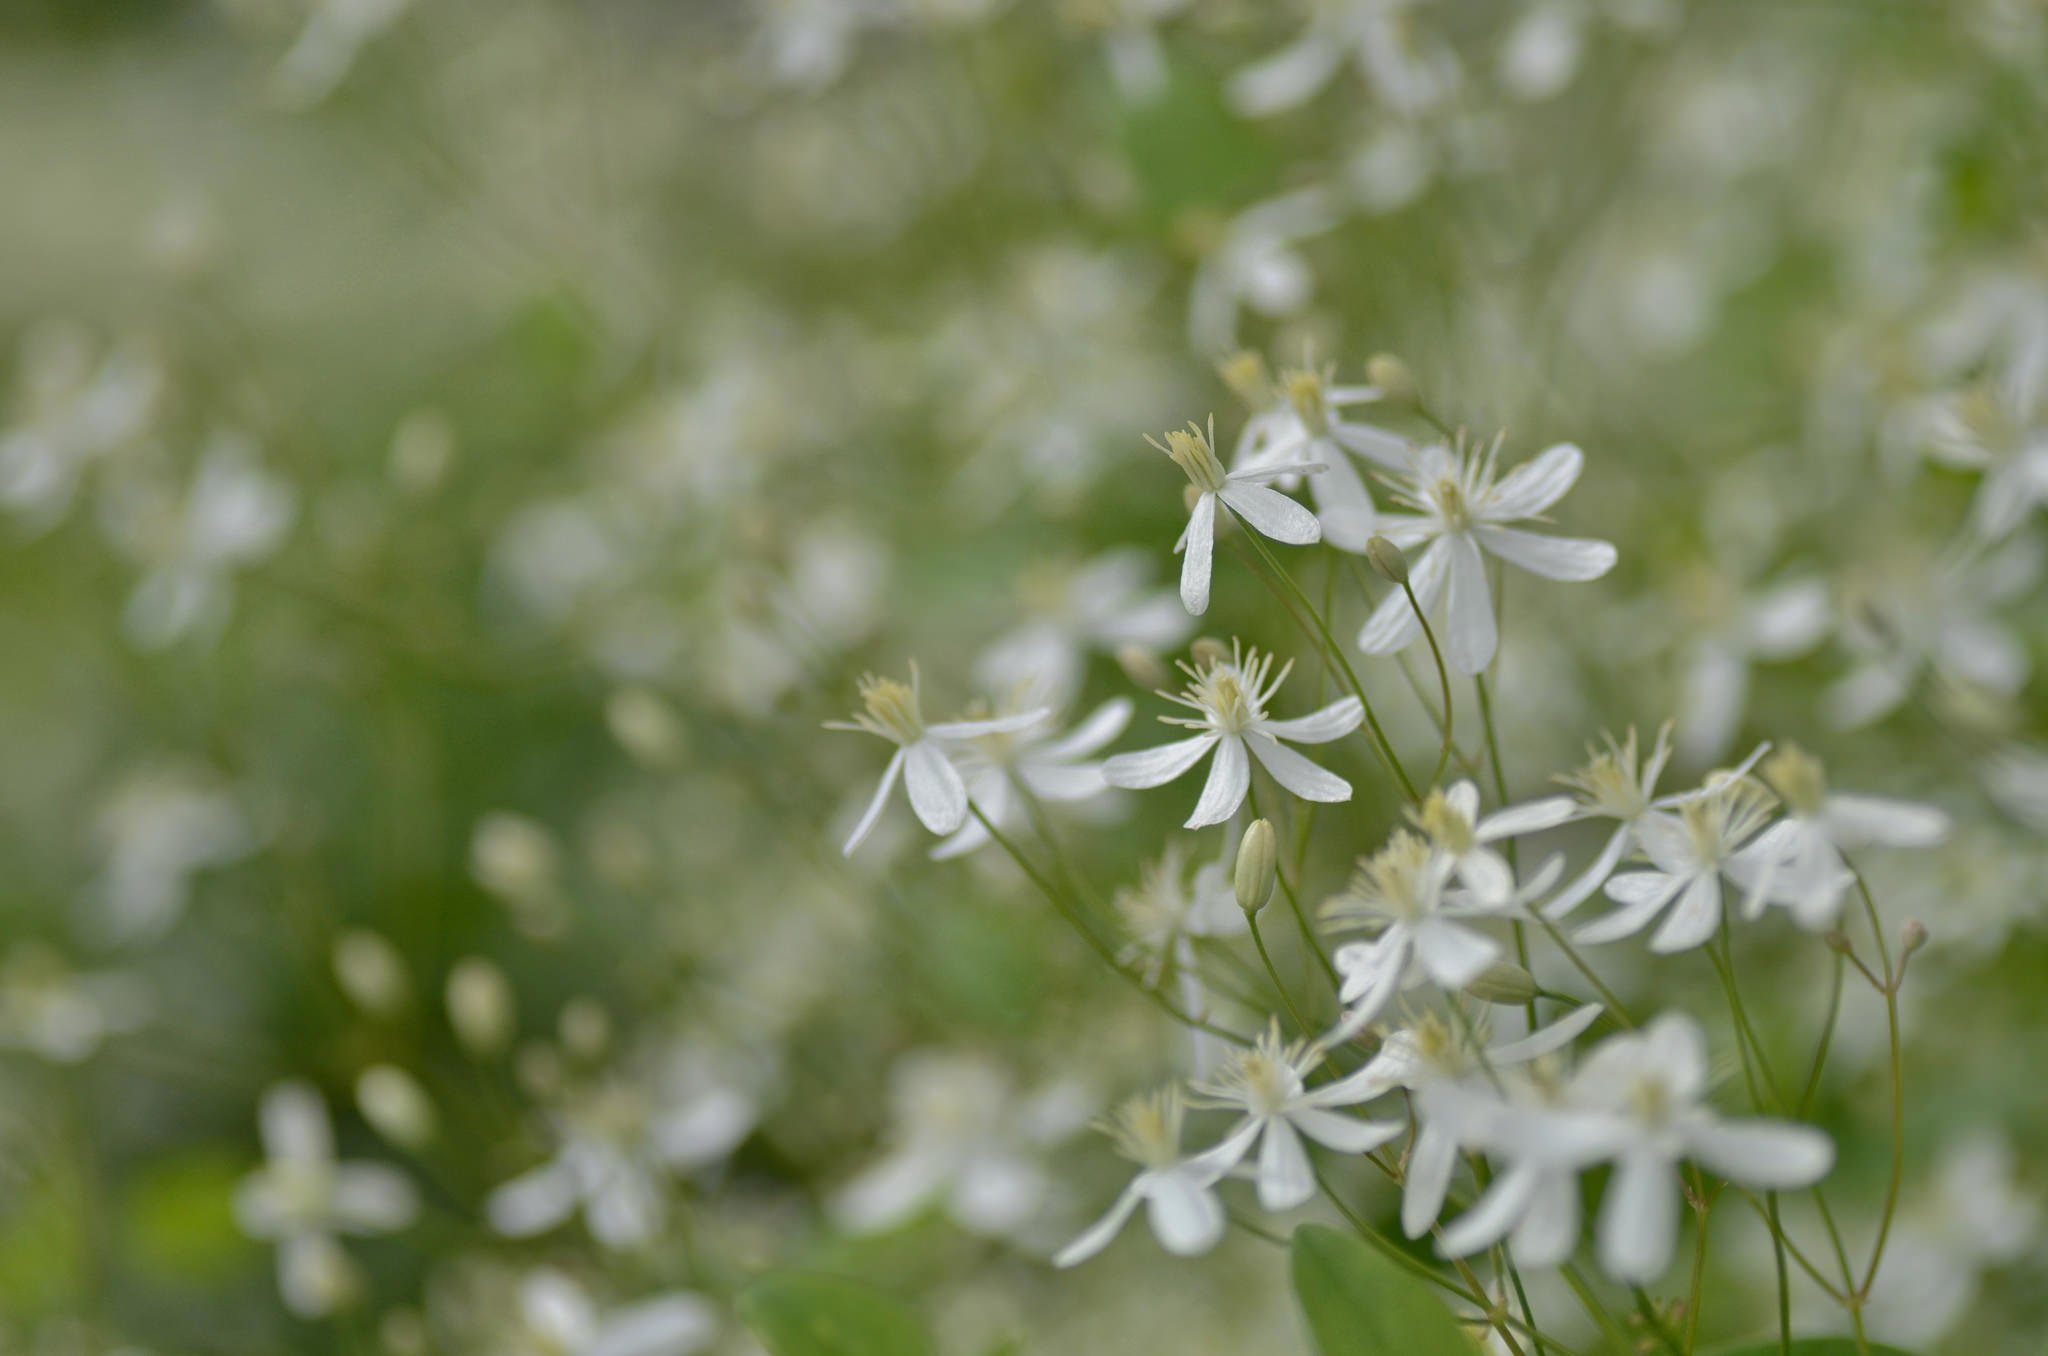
(371, 972)
(1387, 559)
(1257, 855)
(480, 1006)
(395, 1105)
(1912, 937)
(1394, 380)
(1141, 666)
(1838, 942)
(1207, 652)
(1505, 983)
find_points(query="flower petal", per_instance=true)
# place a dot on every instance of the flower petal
(1496, 1211)
(874, 810)
(1200, 545)
(1469, 635)
(936, 792)
(1639, 1218)
(1184, 1213)
(1285, 1177)
(1097, 728)
(1452, 954)
(1230, 775)
(1535, 485)
(1156, 767)
(1270, 512)
(1529, 817)
(1098, 1235)
(1643, 895)
(1334, 721)
(1429, 1179)
(1762, 1153)
(1546, 1039)
(1696, 918)
(1853, 821)
(1343, 505)
(1393, 624)
(1295, 772)
(1570, 559)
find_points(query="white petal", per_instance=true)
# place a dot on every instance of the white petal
(1200, 540)
(1762, 1153)
(1396, 1065)
(1295, 772)
(373, 1198)
(1695, 919)
(1569, 559)
(1469, 636)
(1185, 1215)
(1230, 775)
(1452, 954)
(1389, 450)
(890, 1191)
(1097, 1236)
(874, 810)
(1393, 623)
(1594, 876)
(625, 1212)
(294, 1125)
(1536, 484)
(936, 792)
(1345, 1134)
(1334, 721)
(1010, 724)
(1546, 1039)
(1853, 821)
(1487, 875)
(1549, 1230)
(1271, 513)
(1529, 817)
(1285, 1177)
(673, 1325)
(1156, 767)
(533, 1202)
(1789, 620)
(1097, 728)
(1343, 505)
(1643, 894)
(1286, 78)
(1493, 1214)
(1429, 1178)
(1639, 1218)
(1867, 694)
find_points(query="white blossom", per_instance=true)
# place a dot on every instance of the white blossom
(1178, 1193)
(1264, 509)
(1050, 766)
(1300, 422)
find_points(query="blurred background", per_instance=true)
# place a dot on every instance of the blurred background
(454, 454)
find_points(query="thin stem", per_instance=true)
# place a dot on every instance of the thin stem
(1500, 789)
(1443, 679)
(1308, 934)
(1655, 1324)
(1273, 973)
(1784, 1282)
(1588, 1301)
(1827, 1034)
(1897, 1073)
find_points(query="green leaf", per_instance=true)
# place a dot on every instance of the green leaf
(800, 1313)
(1360, 1303)
(1810, 1346)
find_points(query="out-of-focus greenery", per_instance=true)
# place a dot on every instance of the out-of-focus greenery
(459, 451)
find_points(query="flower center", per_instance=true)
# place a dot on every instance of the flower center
(1305, 393)
(1443, 822)
(1798, 778)
(1451, 504)
(1190, 451)
(891, 709)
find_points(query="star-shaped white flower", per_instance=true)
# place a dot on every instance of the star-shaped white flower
(1254, 503)
(937, 792)
(1300, 421)
(1463, 513)
(1614, 783)
(1178, 1193)
(1051, 767)
(1229, 699)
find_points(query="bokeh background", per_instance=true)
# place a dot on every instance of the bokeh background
(456, 453)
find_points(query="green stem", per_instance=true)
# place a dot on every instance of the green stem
(1273, 973)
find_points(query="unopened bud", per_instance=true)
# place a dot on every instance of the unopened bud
(1141, 666)
(1257, 854)
(1912, 937)
(1394, 380)
(1505, 983)
(1207, 652)
(1387, 559)
(371, 972)
(480, 1006)
(1837, 941)
(395, 1104)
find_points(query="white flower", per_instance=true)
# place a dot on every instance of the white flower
(1711, 833)
(1103, 605)
(1267, 1083)
(1782, 622)
(1409, 72)
(1611, 785)
(74, 407)
(1465, 838)
(557, 1316)
(1428, 1052)
(937, 793)
(621, 1138)
(160, 828)
(966, 1140)
(1461, 512)
(65, 1015)
(301, 1198)
(1264, 509)
(1178, 1193)
(1164, 914)
(1051, 767)
(1803, 852)
(1652, 1080)
(1298, 423)
(1254, 263)
(1229, 698)
(2000, 429)
(335, 33)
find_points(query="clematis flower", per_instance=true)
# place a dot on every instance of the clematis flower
(1300, 421)
(1409, 72)
(555, 1314)
(1267, 1084)
(1465, 837)
(1254, 262)
(1178, 1193)
(1615, 783)
(1229, 698)
(1712, 833)
(1051, 766)
(1102, 605)
(301, 1198)
(1164, 914)
(1653, 1080)
(938, 795)
(1463, 513)
(1244, 493)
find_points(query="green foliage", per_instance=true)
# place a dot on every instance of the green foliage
(1811, 1346)
(797, 1313)
(1359, 1303)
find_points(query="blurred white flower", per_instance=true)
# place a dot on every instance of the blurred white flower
(1267, 1084)
(65, 1015)
(1409, 70)
(161, 827)
(2001, 429)
(1178, 1193)
(1165, 914)
(1049, 766)
(1229, 699)
(1807, 871)
(301, 1198)
(1253, 261)
(963, 1139)
(334, 35)
(1461, 511)
(1783, 621)
(1298, 423)
(1103, 605)
(72, 407)
(1254, 503)
(924, 753)
(1612, 784)
(557, 1317)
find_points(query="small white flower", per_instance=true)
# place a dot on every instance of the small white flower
(2000, 429)
(1229, 698)
(1051, 766)
(1408, 71)
(1244, 493)
(301, 1198)
(1268, 1085)
(937, 793)
(1104, 605)
(1712, 833)
(1803, 852)
(1782, 622)
(556, 1315)
(1461, 511)
(65, 1015)
(1254, 263)
(1164, 914)
(159, 830)
(1299, 422)
(1653, 1080)
(1465, 837)
(1613, 784)
(1178, 1193)
(1429, 1052)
